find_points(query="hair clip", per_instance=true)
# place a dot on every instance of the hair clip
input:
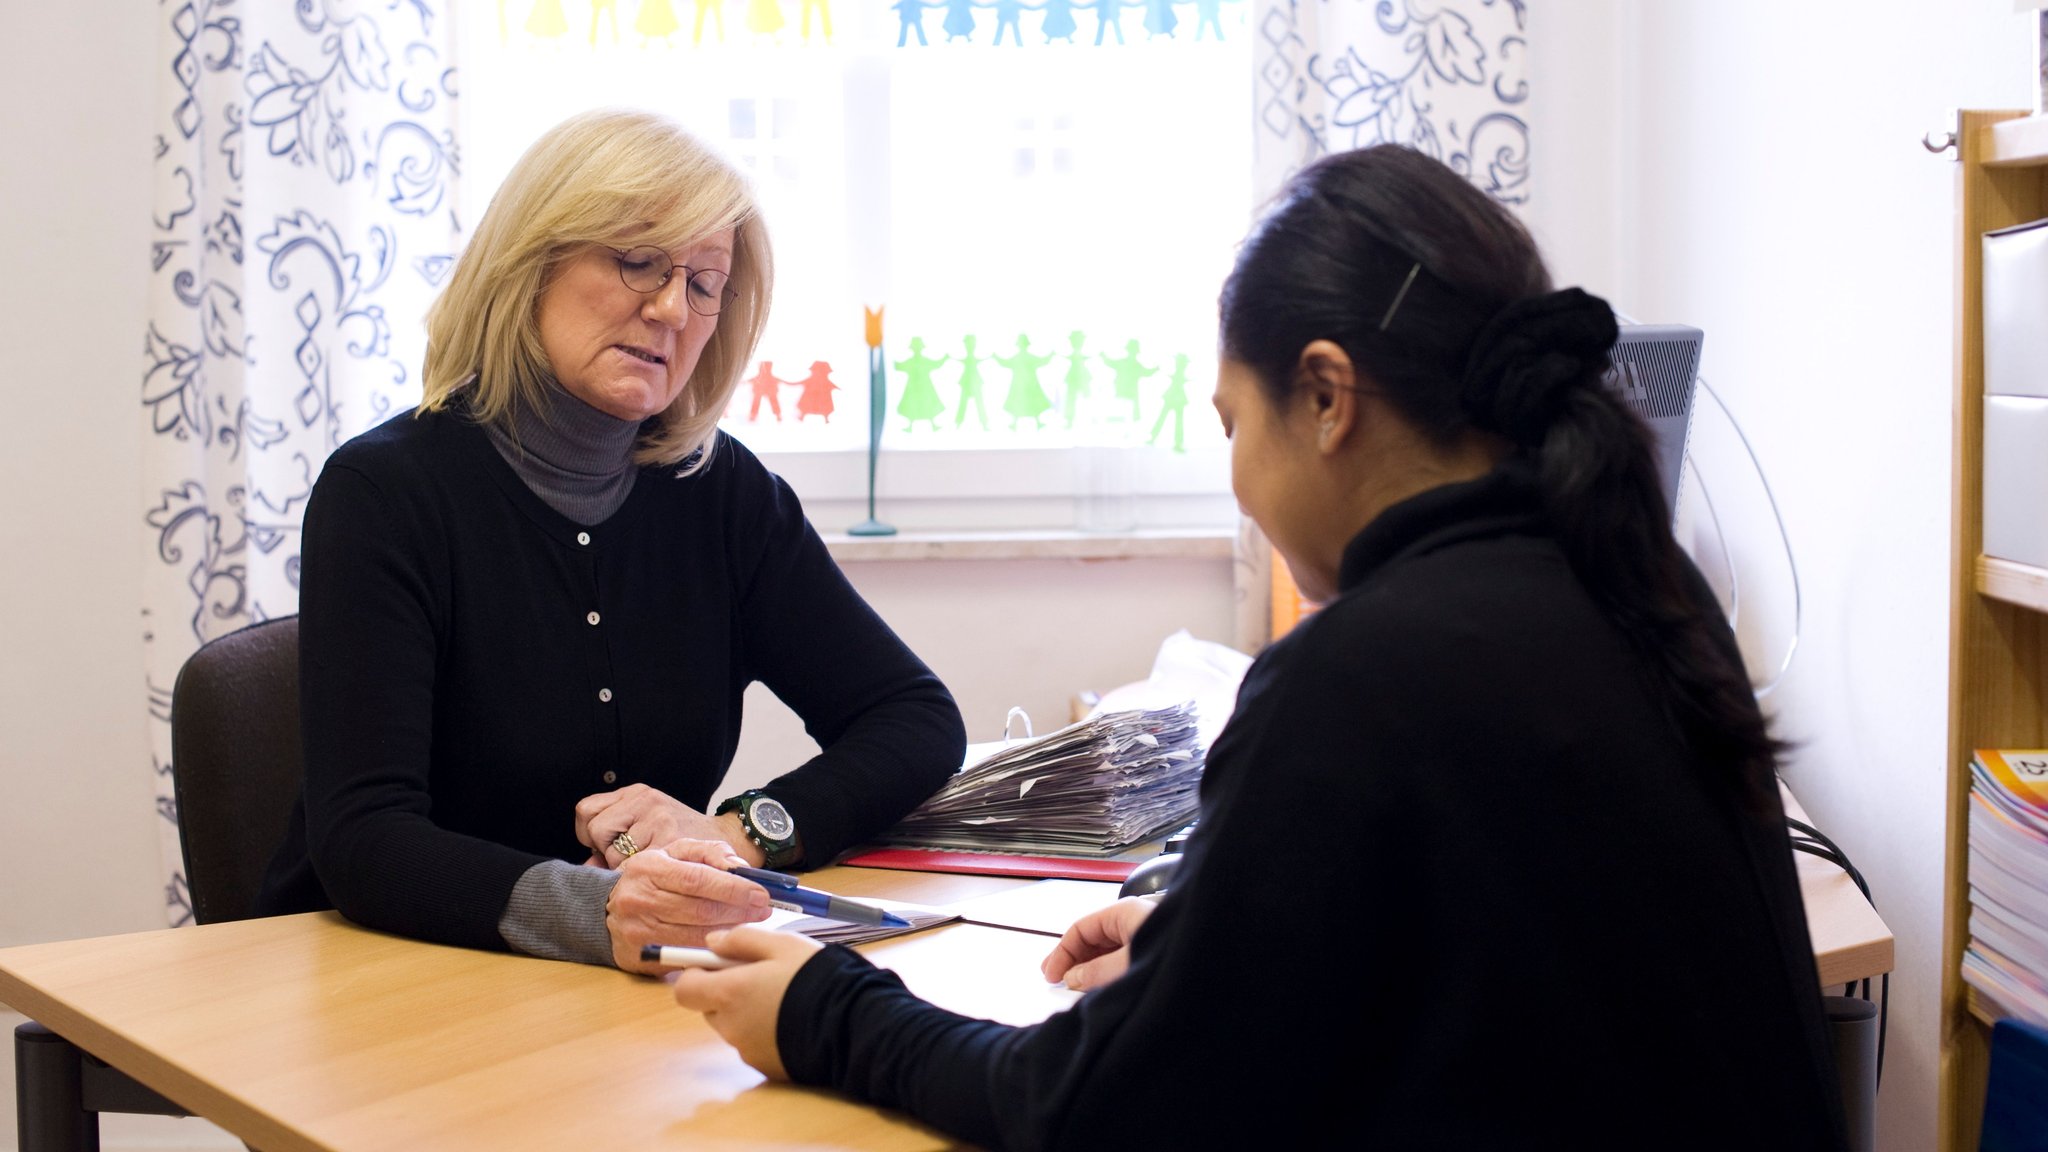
(1399, 296)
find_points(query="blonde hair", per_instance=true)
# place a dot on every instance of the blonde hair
(616, 177)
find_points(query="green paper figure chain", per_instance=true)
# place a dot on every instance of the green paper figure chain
(1078, 378)
(970, 386)
(920, 398)
(1174, 404)
(1026, 399)
(1129, 371)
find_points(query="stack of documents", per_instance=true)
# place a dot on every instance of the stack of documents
(1093, 788)
(2007, 959)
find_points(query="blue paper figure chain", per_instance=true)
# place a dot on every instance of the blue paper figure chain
(1057, 21)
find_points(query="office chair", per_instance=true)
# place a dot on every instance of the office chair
(236, 760)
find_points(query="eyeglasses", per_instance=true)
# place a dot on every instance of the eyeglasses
(648, 269)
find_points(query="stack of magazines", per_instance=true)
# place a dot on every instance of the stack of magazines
(2007, 959)
(1094, 788)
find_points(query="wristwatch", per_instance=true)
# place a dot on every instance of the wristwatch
(767, 823)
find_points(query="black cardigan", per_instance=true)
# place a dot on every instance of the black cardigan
(472, 663)
(1457, 883)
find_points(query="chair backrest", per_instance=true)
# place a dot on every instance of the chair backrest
(236, 761)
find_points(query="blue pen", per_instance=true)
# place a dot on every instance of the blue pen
(785, 892)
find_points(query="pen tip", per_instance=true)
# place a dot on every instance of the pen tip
(649, 953)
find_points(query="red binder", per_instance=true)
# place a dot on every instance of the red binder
(996, 863)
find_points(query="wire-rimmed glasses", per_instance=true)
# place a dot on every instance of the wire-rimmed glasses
(649, 269)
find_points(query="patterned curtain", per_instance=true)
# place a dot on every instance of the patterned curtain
(304, 213)
(1445, 78)
(1331, 75)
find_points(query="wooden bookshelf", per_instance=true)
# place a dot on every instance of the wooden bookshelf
(2014, 583)
(1998, 618)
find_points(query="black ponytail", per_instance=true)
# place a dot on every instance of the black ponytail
(1440, 297)
(1597, 467)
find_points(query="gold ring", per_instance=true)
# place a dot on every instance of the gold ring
(623, 844)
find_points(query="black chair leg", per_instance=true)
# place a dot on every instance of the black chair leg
(49, 1094)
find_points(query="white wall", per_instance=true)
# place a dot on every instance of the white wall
(1004, 633)
(1774, 192)
(76, 811)
(75, 178)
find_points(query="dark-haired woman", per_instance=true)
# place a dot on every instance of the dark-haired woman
(1491, 854)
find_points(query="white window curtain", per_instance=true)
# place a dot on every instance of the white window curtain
(304, 213)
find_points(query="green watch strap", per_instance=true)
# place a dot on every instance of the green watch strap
(777, 852)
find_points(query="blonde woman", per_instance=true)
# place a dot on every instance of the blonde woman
(529, 608)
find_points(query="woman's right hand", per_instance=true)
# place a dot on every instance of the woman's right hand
(675, 894)
(1096, 949)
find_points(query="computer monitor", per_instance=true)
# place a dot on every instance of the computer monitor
(1655, 368)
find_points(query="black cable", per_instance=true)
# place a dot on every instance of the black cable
(1832, 856)
(1814, 843)
(1884, 1003)
(1834, 852)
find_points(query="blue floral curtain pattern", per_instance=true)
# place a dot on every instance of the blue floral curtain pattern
(304, 216)
(1445, 78)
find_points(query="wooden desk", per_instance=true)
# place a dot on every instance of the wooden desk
(1850, 941)
(307, 1032)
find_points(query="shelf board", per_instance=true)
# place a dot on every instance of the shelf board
(2014, 583)
(2017, 143)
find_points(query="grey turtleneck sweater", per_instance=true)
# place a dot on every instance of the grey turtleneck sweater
(576, 458)
(580, 462)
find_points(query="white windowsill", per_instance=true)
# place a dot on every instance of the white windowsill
(1024, 544)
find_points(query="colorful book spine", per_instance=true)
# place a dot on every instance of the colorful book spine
(2007, 958)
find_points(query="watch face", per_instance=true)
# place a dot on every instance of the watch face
(771, 819)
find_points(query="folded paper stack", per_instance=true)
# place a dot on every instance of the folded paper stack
(1094, 788)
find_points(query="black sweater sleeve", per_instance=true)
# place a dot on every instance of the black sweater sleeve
(368, 637)
(889, 731)
(1142, 1058)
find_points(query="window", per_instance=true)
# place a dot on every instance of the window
(1044, 223)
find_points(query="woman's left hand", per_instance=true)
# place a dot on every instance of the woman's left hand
(742, 1003)
(674, 894)
(1096, 949)
(649, 816)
